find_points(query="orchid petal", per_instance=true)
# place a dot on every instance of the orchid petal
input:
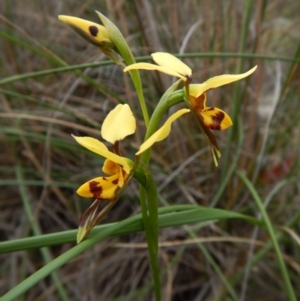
(122, 178)
(169, 61)
(99, 148)
(197, 103)
(118, 124)
(163, 132)
(90, 31)
(110, 167)
(217, 81)
(147, 66)
(100, 188)
(215, 119)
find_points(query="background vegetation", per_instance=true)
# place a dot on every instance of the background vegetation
(43, 101)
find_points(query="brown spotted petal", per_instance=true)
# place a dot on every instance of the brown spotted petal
(90, 31)
(101, 188)
(111, 168)
(93, 33)
(215, 119)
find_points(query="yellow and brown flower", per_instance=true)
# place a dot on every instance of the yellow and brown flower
(95, 34)
(118, 124)
(210, 118)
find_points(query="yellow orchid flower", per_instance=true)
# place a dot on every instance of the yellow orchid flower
(118, 124)
(211, 118)
(166, 63)
(93, 33)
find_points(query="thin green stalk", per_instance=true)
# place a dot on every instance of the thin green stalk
(151, 201)
(36, 230)
(148, 200)
(291, 69)
(18, 96)
(241, 55)
(151, 233)
(271, 231)
(40, 50)
(123, 48)
(39, 74)
(51, 57)
(233, 132)
(245, 29)
(224, 55)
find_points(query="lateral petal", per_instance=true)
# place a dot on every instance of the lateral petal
(100, 188)
(163, 132)
(218, 81)
(169, 61)
(215, 119)
(147, 66)
(110, 167)
(118, 124)
(99, 148)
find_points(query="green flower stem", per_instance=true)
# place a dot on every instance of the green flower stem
(151, 221)
(270, 229)
(125, 52)
(149, 197)
(149, 208)
(151, 232)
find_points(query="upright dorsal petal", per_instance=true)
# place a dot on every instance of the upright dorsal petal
(118, 124)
